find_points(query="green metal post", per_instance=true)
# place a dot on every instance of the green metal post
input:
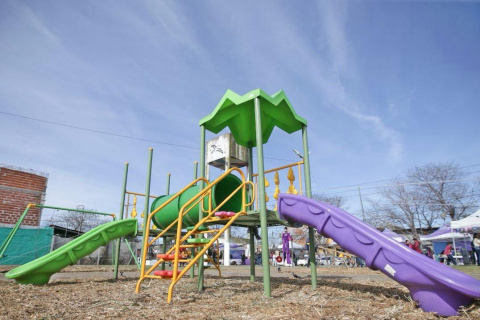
(164, 250)
(77, 210)
(147, 197)
(250, 171)
(252, 239)
(200, 212)
(308, 189)
(192, 250)
(10, 236)
(168, 184)
(164, 239)
(195, 170)
(252, 255)
(262, 202)
(120, 217)
(132, 253)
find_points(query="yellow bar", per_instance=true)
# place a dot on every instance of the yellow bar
(139, 194)
(282, 167)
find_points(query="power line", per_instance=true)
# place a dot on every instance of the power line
(407, 184)
(116, 134)
(98, 131)
(370, 182)
(394, 206)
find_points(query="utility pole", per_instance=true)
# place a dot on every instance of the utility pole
(361, 204)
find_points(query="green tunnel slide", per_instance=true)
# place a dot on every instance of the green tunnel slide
(40, 270)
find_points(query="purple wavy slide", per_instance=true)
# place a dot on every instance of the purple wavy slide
(435, 286)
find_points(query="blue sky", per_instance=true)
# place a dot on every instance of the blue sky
(384, 86)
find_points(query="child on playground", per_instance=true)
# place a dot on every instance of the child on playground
(448, 252)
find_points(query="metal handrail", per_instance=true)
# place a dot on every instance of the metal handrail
(189, 205)
(146, 227)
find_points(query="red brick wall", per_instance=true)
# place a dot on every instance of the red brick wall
(17, 190)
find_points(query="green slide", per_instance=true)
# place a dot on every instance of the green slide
(40, 270)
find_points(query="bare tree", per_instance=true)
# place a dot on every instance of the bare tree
(427, 194)
(80, 221)
(274, 238)
(335, 200)
(299, 234)
(443, 187)
(400, 206)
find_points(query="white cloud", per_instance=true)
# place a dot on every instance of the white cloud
(38, 24)
(334, 14)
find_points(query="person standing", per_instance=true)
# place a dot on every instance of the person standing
(286, 238)
(429, 252)
(416, 245)
(476, 247)
(448, 252)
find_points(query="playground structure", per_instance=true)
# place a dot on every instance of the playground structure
(241, 200)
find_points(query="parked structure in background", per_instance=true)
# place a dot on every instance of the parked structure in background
(18, 188)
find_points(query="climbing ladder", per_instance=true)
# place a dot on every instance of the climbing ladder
(195, 235)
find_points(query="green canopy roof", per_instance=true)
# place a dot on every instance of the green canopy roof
(238, 114)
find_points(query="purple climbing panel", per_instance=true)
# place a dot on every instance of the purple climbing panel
(435, 286)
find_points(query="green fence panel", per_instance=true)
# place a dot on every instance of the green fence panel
(26, 245)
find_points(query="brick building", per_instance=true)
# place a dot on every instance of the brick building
(18, 188)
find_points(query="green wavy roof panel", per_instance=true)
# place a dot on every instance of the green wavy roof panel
(238, 114)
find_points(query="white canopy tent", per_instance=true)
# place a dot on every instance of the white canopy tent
(295, 246)
(446, 236)
(471, 221)
(393, 235)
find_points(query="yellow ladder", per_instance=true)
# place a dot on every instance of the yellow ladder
(185, 241)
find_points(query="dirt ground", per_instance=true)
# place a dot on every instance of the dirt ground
(88, 292)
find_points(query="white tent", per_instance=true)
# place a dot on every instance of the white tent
(295, 246)
(446, 236)
(471, 221)
(445, 232)
(393, 235)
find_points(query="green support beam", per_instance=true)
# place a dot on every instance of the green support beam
(261, 200)
(77, 210)
(200, 212)
(147, 197)
(308, 189)
(132, 253)
(192, 250)
(164, 239)
(120, 217)
(252, 239)
(12, 233)
(252, 255)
